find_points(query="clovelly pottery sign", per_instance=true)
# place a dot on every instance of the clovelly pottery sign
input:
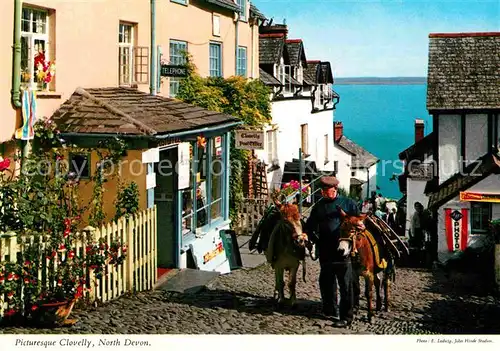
(173, 71)
(209, 253)
(249, 139)
(457, 229)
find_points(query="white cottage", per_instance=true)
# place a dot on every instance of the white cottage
(302, 107)
(463, 96)
(355, 167)
(418, 170)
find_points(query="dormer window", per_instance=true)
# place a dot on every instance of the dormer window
(242, 4)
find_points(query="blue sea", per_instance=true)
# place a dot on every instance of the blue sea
(381, 118)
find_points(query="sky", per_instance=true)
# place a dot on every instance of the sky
(385, 38)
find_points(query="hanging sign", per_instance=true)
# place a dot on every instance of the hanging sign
(456, 222)
(173, 71)
(479, 197)
(249, 139)
(183, 165)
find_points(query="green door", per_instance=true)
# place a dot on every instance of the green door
(165, 200)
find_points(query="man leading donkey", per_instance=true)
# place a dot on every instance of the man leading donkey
(323, 229)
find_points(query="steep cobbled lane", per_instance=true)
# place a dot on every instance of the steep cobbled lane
(423, 302)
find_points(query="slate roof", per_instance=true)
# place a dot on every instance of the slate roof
(360, 158)
(296, 52)
(420, 149)
(268, 79)
(228, 4)
(464, 71)
(129, 111)
(254, 12)
(463, 180)
(318, 72)
(271, 48)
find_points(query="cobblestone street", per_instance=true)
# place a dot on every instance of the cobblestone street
(423, 302)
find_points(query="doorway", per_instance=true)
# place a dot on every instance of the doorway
(166, 204)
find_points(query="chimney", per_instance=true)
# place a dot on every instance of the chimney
(338, 131)
(419, 130)
(274, 30)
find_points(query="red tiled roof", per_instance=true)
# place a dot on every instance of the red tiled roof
(272, 35)
(290, 41)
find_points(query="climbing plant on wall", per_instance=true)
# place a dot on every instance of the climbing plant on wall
(248, 100)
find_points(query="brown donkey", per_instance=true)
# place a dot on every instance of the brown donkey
(375, 262)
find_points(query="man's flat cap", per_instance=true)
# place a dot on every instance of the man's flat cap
(329, 182)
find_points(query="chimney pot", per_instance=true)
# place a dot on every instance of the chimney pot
(338, 131)
(419, 130)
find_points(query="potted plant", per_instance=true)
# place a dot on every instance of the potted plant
(45, 70)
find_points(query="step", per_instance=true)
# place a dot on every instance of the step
(189, 281)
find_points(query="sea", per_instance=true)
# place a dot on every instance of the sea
(381, 119)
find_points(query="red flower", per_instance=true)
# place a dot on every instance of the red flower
(71, 254)
(88, 249)
(2, 279)
(34, 307)
(5, 164)
(59, 282)
(10, 312)
(10, 277)
(59, 157)
(27, 263)
(62, 247)
(67, 222)
(16, 277)
(67, 231)
(26, 280)
(10, 294)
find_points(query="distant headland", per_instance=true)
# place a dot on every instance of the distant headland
(381, 81)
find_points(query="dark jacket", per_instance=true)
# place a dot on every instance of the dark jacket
(323, 225)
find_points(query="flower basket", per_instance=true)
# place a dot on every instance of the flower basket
(291, 188)
(54, 313)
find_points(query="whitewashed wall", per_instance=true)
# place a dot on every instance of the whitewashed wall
(362, 174)
(289, 115)
(344, 166)
(449, 145)
(489, 185)
(476, 136)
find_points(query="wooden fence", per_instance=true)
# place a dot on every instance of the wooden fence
(249, 215)
(137, 273)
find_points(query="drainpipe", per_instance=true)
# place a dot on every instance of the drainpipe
(368, 183)
(236, 43)
(16, 63)
(152, 79)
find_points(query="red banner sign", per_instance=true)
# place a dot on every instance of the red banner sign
(457, 229)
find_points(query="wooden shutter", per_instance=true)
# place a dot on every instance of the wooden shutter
(141, 64)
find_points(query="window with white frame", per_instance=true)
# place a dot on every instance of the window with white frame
(241, 68)
(177, 50)
(272, 149)
(133, 61)
(480, 217)
(215, 58)
(35, 55)
(126, 46)
(243, 9)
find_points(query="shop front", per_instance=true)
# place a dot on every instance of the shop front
(191, 193)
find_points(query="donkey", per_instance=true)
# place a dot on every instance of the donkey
(376, 264)
(286, 250)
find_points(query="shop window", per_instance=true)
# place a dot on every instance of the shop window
(187, 199)
(480, 217)
(201, 183)
(217, 179)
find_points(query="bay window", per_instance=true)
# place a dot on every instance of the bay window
(36, 73)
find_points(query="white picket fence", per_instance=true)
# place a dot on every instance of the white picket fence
(137, 273)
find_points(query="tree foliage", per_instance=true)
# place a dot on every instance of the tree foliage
(247, 100)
